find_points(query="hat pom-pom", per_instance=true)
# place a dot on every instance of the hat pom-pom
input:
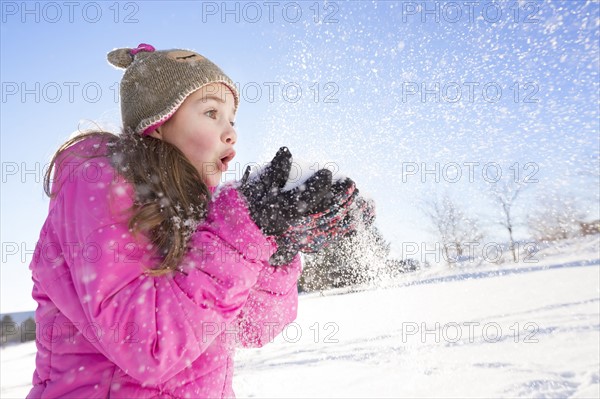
(121, 57)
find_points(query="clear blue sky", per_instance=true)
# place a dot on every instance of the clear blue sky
(378, 88)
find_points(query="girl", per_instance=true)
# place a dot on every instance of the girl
(146, 276)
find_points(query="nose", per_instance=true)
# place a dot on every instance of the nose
(229, 135)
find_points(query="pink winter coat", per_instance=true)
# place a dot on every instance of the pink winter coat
(106, 329)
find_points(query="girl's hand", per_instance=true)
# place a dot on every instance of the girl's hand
(338, 216)
(273, 210)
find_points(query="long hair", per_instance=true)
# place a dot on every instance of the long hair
(170, 197)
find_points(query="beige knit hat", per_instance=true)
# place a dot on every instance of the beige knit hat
(155, 83)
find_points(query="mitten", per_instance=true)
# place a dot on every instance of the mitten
(274, 210)
(341, 216)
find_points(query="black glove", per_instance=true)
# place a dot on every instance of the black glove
(339, 216)
(274, 210)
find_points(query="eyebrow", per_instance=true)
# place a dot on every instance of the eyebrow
(220, 99)
(211, 97)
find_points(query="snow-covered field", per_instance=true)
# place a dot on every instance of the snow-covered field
(526, 330)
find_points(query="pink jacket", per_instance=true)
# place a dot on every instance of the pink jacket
(105, 329)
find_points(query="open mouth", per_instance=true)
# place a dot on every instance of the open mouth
(226, 159)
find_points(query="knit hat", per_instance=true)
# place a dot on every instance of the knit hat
(156, 83)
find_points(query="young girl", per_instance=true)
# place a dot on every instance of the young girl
(146, 276)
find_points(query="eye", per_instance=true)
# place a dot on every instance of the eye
(212, 113)
(232, 124)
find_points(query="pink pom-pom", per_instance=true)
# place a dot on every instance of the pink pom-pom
(142, 47)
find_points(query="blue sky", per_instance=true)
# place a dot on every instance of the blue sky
(376, 88)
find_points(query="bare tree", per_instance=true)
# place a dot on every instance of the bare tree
(505, 195)
(591, 170)
(455, 230)
(557, 218)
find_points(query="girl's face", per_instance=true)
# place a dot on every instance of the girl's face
(202, 128)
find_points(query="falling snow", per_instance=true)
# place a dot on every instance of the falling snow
(540, 106)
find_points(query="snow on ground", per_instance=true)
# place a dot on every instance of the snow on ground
(16, 370)
(528, 330)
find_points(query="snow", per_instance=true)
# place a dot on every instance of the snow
(388, 346)
(16, 370)
(523, 330)
(302, 170)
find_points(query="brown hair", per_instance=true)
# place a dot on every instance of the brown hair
(170, 197)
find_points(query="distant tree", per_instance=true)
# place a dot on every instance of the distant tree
(7, 319)
(453, 227)
(556, 218)
(28, 330)
(589, 228)
(10, 330)
(591, 170)
(505, 194)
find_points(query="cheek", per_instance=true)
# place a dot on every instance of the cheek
(193, 146)
(199, 148)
